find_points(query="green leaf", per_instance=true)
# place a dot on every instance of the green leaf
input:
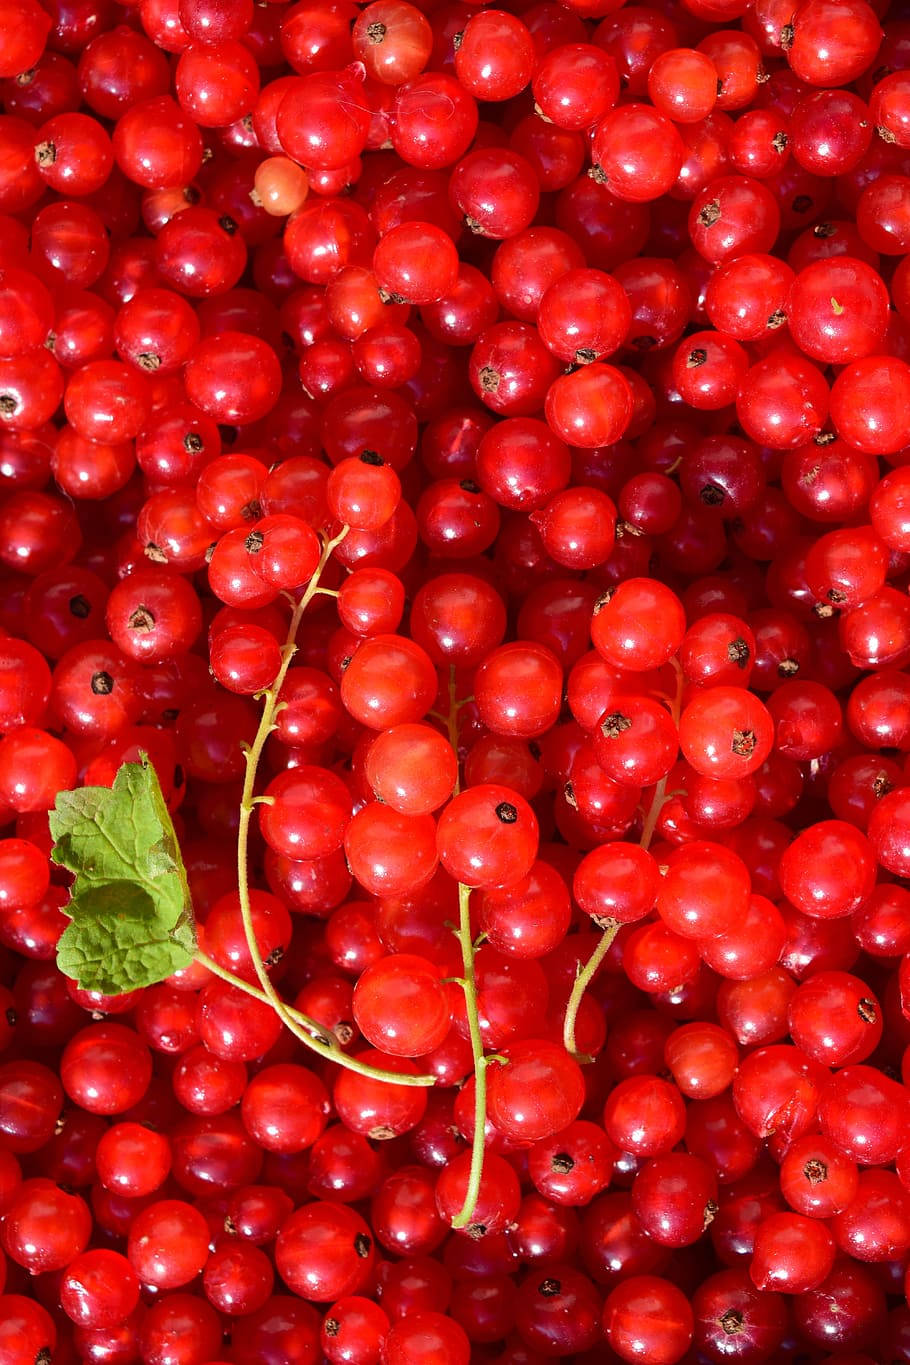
(122, 833)
(116, 943)
(132, 918)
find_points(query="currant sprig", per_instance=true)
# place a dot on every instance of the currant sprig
(611, 927)
(130, 910)
(468, 984)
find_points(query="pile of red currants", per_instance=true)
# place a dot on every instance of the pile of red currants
(464, 454)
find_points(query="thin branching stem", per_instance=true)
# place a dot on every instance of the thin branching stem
(317, 1038)
(611, 928)
(468, 983)
(306, 1030)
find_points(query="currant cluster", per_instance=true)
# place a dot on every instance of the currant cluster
(465, 453)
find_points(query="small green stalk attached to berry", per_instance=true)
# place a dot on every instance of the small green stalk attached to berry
(468, 983)
(587, 973)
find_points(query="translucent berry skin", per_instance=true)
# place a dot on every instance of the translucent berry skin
(530, 918)
(889, 832)
(558, 1310)
(640, 627)
(379, 1109)
(725, 732)
(411, 768)
(234, 378)
(457, 619)
(132, 1160)
(285, 1108)
(353, 1331)
(26, 311)
(168, 1244)
(401, 1006)
(423, 1337)
(727, 1299)
(792, 1254)
(573, 1166)
(644, 1115)
(783, 401)
(487, 836)
(537, 1092)
(25, 29)
(520, 463)
(810, 56)
(862, 404)
(617, 881)
(674, 1197)
(32, 1100)
(99, 1289)
(390, 853)
(777, 1088)
(245, 659)
(106, 1068)
(591, 407)
(27, 1331)
(518, 689)
(575, 84)
(635, 741)
(282, 1327)
(648, 1318)
(864, 1113)
(154, 615)
(31, 389)
(416, 261)
(813, 315)
(577, 527)
(496, 191)
(829, 870)
(44, 1228)
(498, 1200)
(389, 681)
(310, 812)
(704, 891)
(875, 1226)
(841, 1000)
(816, 1179)
(584, 316)
(324, 1251)
(24, 684)
(640, 152)
(238, 1278)
(24, 874)
(157, 145)
(845, 1311)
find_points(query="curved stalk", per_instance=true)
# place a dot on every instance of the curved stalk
(611, 929)
(468, 984)
(316, 1037)
(304, 1029)
(581, 984)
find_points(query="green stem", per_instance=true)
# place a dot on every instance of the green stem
(581, 984)
(468, 983)
(302, 1028)
(317, 1039)
(611, 928)
(469, 986)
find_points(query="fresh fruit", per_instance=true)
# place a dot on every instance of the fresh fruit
(454, 682)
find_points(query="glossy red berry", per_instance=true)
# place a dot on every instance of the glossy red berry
(487, 836)
(648, 1318)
